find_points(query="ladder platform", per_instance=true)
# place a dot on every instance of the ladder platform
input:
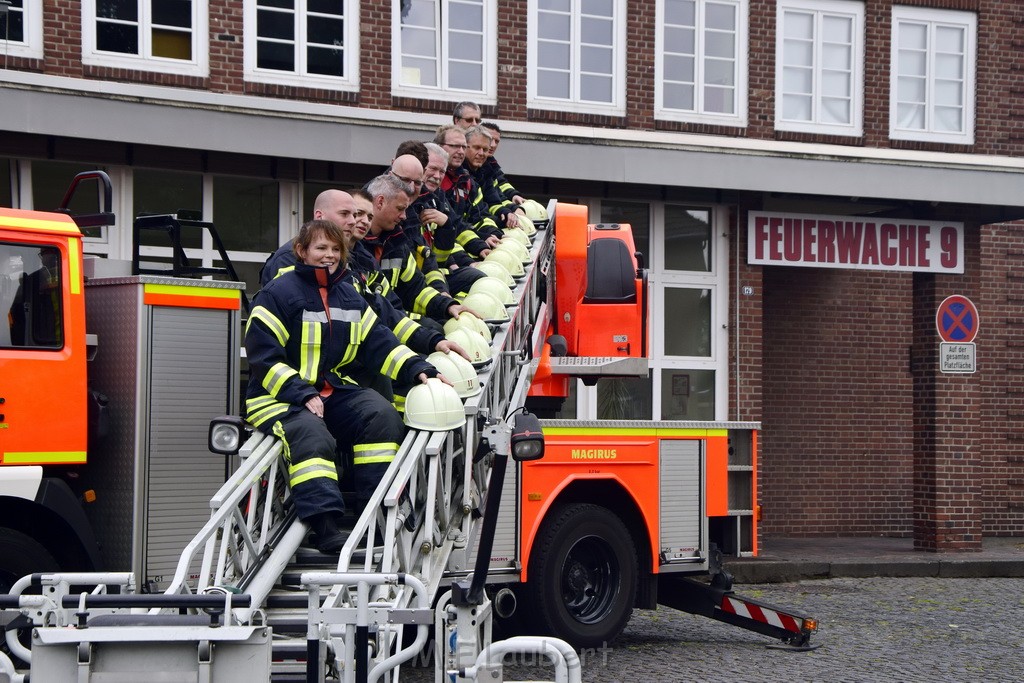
(605, 366)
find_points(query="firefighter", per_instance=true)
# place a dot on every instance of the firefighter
(478, 140)
(494, 169)
(476, 232)
(432, 215)
(305, 330)
(393, 255)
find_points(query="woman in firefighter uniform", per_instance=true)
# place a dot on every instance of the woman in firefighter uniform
(306, 327)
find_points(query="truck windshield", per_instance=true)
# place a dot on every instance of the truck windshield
(30, 297)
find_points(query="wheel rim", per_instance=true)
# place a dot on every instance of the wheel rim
(590, 580)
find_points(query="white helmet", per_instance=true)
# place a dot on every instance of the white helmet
(478, 350)
(499, 290)
(487, 306)
(516, 234)
(458, 370)
(434, 407)
(521, 252)
(535, 211)
(527, 226)
(496, 270)
(468, 321)
(511, 262)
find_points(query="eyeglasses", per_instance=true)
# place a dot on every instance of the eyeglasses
(407, 180)
(471, 119)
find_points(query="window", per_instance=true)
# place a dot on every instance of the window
(448, 48)
(700, 73)
(933, 68)
(169, 36)
(576, 56)
(21, 32)
(306, 43)
(30, 296)
(819, 61)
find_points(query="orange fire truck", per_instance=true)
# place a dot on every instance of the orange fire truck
(203, 554)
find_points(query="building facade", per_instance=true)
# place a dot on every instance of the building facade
(808, 179)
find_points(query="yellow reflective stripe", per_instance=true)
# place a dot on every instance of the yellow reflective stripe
(433, 276)
(309, 351)
(43, 457)
(74, 265)
(393, 363)
(277, 376)
(282, 271)
(276, 327)
(191, 290)
(314, 468)
(368, 321)
(278, 430)
(366, 453)
(405, 329)
(258, 416)
(409, 270)
(426, 295)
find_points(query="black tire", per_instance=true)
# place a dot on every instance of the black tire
(21, 555)
(583, 575)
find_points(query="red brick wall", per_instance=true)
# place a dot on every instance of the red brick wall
(836, 452)
(1000, 73)
(1001, 364)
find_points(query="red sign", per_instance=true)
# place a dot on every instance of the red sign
(957, 320)
(855, 242)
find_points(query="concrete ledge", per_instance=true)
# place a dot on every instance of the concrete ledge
(781, 571)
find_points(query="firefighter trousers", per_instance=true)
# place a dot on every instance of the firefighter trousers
(357, 421)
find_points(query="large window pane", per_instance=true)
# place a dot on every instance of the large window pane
(687, 394)
(932, 97)
(167, 192)
(444, 44)
(51, 180)
(578, 39)
(700, 45)
(624, 398)
(638, 216)
(687, 239)
(819, 69)
(687, 318)
(6, 188)
(31, 298)
(245, 212)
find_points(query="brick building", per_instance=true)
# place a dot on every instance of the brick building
(690, 119)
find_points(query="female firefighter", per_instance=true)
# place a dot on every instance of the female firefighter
(305, 329)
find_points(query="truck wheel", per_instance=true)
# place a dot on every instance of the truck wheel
(21, 555)
(583, 575)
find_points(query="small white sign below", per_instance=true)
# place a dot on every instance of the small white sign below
(957, 358)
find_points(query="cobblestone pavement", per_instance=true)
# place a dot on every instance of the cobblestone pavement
(871, 629)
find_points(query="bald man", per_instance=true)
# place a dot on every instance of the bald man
(330, 205)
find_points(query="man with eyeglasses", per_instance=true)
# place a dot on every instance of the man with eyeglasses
(466, 114)
(478, 233)
(431, 218)
(503, 210)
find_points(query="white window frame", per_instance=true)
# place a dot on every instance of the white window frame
(968, 22)
(698, 114)
(199, 65)
(617, 107)
(715, 280)
(489, 93)
(299, 78)
(844, 8)
(31, 47)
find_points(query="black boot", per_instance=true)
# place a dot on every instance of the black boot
(329, 539)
